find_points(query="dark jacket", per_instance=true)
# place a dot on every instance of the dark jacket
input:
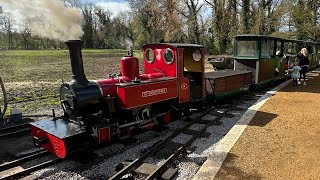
(302, 60)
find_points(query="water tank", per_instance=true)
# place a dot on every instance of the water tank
(130, 67)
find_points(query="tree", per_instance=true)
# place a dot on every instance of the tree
(87, 27)
(74, 3)
(314, 6)
(224, 20)
(245, 16)
(171, 22)
(147, 21)
(190, 9)
(7, 21)
(125, 19)
(25, 30)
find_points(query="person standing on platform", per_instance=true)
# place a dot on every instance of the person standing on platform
(303, 63)
(295, 75)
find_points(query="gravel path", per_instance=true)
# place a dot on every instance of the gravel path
(282, 140)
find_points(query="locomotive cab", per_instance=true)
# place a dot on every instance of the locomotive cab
(193, 70)
(184, 62)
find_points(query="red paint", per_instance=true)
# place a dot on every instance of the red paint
(184, 86)
(130, 67)
(151, 76)
(167, 118)
(159, 65)
(108, 86)
(104, 135)
(136, 95)
(55, 145)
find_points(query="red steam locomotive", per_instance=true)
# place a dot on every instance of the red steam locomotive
(97, 111)
(174, 78)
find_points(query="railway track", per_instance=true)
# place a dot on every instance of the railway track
(15, 169)
(150, 171)
(14, 130)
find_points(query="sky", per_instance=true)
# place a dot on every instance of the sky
(114, 6)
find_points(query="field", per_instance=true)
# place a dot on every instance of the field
(32, 78)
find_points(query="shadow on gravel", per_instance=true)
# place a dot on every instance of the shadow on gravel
(230, 171)
(262, 118)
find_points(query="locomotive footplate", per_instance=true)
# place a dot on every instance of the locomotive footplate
(58, 136)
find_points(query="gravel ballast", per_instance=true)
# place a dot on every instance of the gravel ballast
(110, 156)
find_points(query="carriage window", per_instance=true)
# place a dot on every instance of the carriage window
(150, 55)
(196, 55)
(289, 50)
(266, 48)
(285, 47)
(247, 48)
(271, 50)
(300, 46)
(168, 56)
(278, 47)
(309, 48)
(293, 48)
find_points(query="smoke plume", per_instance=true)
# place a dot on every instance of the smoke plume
(49, 18)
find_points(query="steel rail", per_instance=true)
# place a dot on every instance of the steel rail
(14, 130)
(29, 170)
(181, 149)
(153, 149)
(16, 162)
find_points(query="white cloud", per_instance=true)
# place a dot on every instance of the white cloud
(114, 7)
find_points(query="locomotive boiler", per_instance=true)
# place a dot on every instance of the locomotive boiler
(97, 111)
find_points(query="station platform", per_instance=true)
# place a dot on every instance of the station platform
(277, 138)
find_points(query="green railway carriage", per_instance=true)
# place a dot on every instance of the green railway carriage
(263, 55)
(268, 58)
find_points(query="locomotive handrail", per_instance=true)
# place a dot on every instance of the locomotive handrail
(5, 100)
(121, 77)
(156, 70)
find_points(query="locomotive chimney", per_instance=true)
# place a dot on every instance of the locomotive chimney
(78, 75)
